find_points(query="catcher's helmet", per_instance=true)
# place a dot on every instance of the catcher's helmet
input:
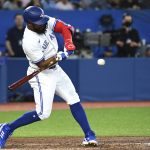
(35, 15)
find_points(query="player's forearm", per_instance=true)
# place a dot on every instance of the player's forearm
(66, 32)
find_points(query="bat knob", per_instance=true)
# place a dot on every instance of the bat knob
(9, 88)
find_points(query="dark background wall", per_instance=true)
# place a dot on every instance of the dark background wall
(119, 80)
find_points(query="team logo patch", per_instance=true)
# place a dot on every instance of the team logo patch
(42, 15)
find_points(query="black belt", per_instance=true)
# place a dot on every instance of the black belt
(52, 67)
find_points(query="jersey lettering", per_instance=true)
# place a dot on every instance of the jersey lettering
(51, 36)
(45, 44)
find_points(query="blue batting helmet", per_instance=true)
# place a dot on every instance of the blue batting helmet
(35, 15)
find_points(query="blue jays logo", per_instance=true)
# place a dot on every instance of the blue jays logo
(45, 44)
(42, 15)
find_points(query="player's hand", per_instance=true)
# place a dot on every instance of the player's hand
(63, 55)
(69, 45)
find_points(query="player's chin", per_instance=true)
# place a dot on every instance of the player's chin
(41, 31)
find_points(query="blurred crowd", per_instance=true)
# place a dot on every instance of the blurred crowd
(75, 4)
(109, 42)
(112, 42)
(121, 42)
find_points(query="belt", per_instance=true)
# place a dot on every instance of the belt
(52, 67)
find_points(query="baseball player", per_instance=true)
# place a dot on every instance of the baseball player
(39, 45)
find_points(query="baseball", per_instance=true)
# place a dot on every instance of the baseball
(101, 62)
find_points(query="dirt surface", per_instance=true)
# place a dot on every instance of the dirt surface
(74, 143)
(61, 105)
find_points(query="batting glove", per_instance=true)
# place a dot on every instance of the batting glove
(63, 55)
(69, 45)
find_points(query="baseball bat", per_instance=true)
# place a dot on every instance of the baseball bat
(25, 79)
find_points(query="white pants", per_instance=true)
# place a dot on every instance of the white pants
(50, 82)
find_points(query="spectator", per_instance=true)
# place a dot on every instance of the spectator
(86, 4)
(76, 4)
(113, 3)
(128, 39)
(35, 3)
(64, 5)
(12, 4)
(95, 4)
(108, 52)
(48, 4)
(25, 3)
(1, 4)
(146, 4)
(14, 38)
(130, 4)
(99, 4)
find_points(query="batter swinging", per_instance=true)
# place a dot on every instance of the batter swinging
(39, 45)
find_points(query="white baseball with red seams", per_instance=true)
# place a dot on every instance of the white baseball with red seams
(50, 81)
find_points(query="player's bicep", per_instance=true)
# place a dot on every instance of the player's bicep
(57, 24)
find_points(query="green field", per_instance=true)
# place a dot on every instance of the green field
(104, 121)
